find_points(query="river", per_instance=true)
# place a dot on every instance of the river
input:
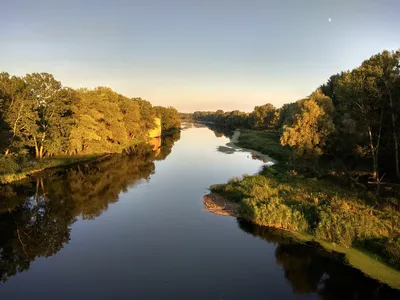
(135, 228)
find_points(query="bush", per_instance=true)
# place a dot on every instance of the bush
(392, 251)
(8, 165)
(273, 212)
(335, 228)
(286, 200)
(266, 142)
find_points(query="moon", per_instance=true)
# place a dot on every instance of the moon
(329, 20)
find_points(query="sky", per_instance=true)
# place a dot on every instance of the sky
(196, 54)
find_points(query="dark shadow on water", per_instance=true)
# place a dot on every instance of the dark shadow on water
(226, 150)
(36, 214)
(311, 269)
(167, 144)
(219, 130)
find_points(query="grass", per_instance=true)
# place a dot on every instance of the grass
(351, 221)
(368, 263)
(34, 166)
(266, 142)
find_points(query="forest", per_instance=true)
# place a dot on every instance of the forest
(41, 119)
(350, 123)
(337, 173)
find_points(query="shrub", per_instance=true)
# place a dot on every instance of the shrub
(392, 251)
(8, 165)
(334, 228)
(273, 212)
(286, 200)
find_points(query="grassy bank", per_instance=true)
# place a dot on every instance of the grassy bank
(266, 142)
(30, 167)
(338, 218)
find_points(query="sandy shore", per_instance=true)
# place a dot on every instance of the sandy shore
(218, 205)
(234, 144)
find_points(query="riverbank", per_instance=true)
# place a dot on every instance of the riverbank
(339, 219)
(27, 168)
(170, 132)
(264, 142)
(235, 144)
(36, 166)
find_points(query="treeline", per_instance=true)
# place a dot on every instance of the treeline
(170, 119)
(42, 118)
(352, 120)
(186, 117)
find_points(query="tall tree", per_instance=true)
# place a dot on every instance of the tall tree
(99, 122)
(14, 110)
(170, 119)
(387, 73)
(147, 115)
(262, 116)
(359, 95)
(49, 106)
(130, 110)
(311, 127)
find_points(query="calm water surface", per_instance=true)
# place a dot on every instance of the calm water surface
(135, 228)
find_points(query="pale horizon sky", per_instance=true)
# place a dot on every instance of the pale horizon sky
(196, 55)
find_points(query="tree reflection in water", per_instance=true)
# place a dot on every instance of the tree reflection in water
(311, 269)
(36, 215)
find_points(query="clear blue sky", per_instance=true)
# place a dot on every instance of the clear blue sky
(196, 54)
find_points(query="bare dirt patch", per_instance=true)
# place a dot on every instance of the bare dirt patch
(218, 205)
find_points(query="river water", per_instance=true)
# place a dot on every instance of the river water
(135, 228)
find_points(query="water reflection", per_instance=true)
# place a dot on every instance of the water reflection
(310, 269)
(167, 144)
(217, 129)
(36, 215)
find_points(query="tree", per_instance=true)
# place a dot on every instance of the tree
(99, 122)
(263, 116)
(14, 110)
(170, 119)
(308, 133)
(130, 110)
(359, 95)
(49, 105)
(387, 73)
(147, 115)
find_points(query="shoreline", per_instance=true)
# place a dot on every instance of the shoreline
(234, 140)
(363, 260)
(359, 259)
(10, 178)
(61, 161)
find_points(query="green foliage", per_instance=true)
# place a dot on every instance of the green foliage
(41, 117)
(311, 127)
(392, 251)
(273, 212)
(266, 142)
(263, 117)
(349, 122)
(8, 165)
(187, 117)
(170, 119)
(316, 207)
(232, 119)
(100, 122)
